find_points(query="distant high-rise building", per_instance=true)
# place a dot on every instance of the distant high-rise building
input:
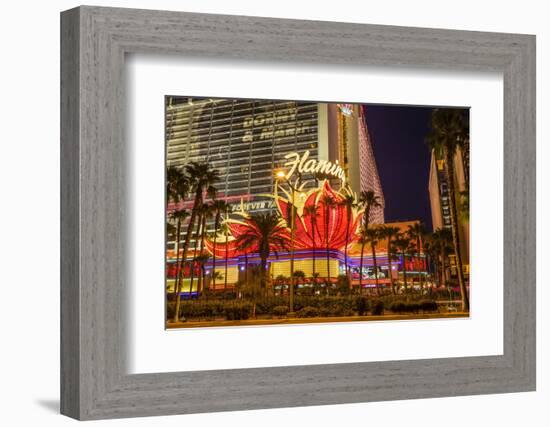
(368, 171)
(438, 188)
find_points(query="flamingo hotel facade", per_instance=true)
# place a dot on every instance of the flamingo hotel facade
(247, 141)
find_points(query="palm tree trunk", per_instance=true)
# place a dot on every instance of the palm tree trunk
(202, 283)
(314, 247)
(216, 226)
(263, 264)
(373, 251)
(202, 276)
(436, 269)
(429, 271)
(327, 246)
(418, 263)
(177, 250)
(348, 214)
(389, 267)
(197, 203)
(246, 269)
(404, 269)
(226, 262)
(197, 232)
(442, 272)
(366, 218)
(454, 228)
(361, 268)
(263, 267)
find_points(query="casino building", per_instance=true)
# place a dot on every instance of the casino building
(247, 141)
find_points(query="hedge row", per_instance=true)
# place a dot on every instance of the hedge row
(414, 307)
(230, 310)
(304, 306)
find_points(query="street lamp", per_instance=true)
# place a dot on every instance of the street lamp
(281, 175)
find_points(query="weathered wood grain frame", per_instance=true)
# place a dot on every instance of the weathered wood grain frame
(94, 41)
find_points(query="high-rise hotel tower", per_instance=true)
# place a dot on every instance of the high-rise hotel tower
(247, 139)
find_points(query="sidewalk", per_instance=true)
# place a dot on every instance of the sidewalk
(294, 320)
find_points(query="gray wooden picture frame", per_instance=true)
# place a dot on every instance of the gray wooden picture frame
(94, 381)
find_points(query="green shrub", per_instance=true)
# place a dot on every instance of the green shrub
(413, 307)
(170, 308)
(338, 311)
(308, 312)
(428, 306)
(343, 285)
(346, 312)
(378, 308)
(362, 305)
(237, 310)
(266, 305)
(325, 312)
(343, 311)
(398, 307)
(201, 309)
(280, 310)
(304, 305)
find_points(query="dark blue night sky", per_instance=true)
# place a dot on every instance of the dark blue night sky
(398, 136)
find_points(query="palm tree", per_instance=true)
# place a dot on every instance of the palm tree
(349, 203)
(201, 178)
(179, 215)
(372, 235)
(194, 262)
(464, 205)
(266, 232)
(316, 284)
(215, 275)
(170, 235)
(244, 247)
(281, 280)
(442, 241)
(201, 260)
(431, 251)
(329, 203)
(218, 206)
(177, 184)
(449, 133)
(177, 188)
(170, 230)
(363, 240)
(311, 212)
(401, 243)
(368, 200)
(205, 214)
(299, 276)
(390, 233)
(416, 233)
(225, 231)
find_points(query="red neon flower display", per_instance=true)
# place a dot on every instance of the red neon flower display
(319, 209)
(329, 220)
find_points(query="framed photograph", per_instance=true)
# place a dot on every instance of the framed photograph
(278, 213)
